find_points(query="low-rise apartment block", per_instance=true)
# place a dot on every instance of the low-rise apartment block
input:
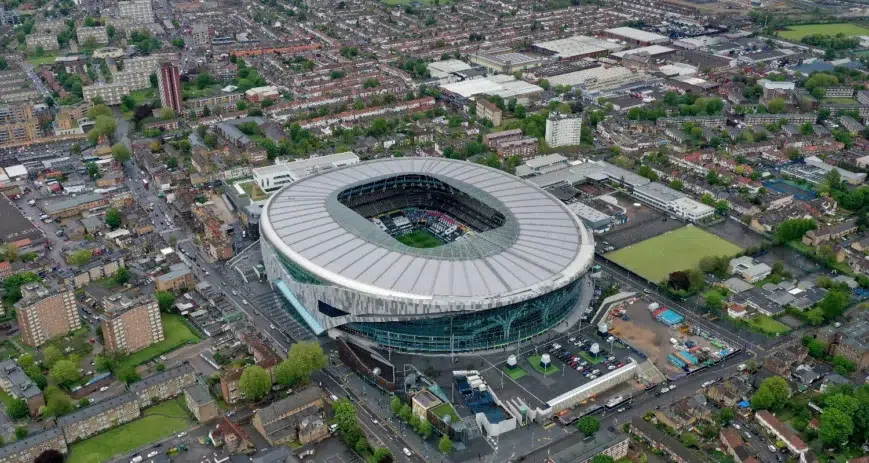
(822, 235)
(17, 384)
(106, 266)
(45, 312)
(136, 10)
(526, 148)
(177, 278)
(98, 35)
(200, 403)
(298, 418)
(164, 385)
(488, 110)
(26, 450)
(99, 417)
(130, 325)
(775, 427)
(47, 42)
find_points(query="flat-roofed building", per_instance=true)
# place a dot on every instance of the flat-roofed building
(563, 129)
(46, 312)
(136, 10)
(164, 385)
(635, 36)
(200, 403)
(488, 110)
(130, 325)
(272, 178)
(96, 418)
(26, 450)
(576, 47)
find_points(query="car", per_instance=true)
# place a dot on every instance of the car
(375, 421)
(244, 301)
(181, 434)
(771, 448)
(152, 454)
(747, 435)
(406, 452)
(234, 292)
(104, 389)
(272, 326)
(611, 358)
(621, 409)
(572, 339)
(207, 273)
(611, 367)
(579, 369)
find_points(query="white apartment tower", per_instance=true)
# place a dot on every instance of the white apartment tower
(137, 10)
(563, 129)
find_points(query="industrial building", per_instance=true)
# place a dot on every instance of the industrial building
(576, 47)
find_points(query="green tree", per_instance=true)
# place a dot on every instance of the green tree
(104, 126)
(21, 432)
(362, 446)
(57, 403)
(113, 218)
(425, 429)
(793, 229)
(588, 425)
(647, 172)
(677, 185)
(165, 300)
(121, 153)
(846, 403)
(64, 372)
(93, 171)
(285, 374)
(714, 301)
(382, 455)
(17, 409)
(395, 405)
(836, 427)
(172, 163)
(306, 357)
(725, 416)
(50, 355)
(772, 394)
(255, 383)
(834, 304)
(405, 413)
(99, 110)
(445, 445)
(690, 439)
(777, 106)
(178, 42)
(602, 459)
(122, 276)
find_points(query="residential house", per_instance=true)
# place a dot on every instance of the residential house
(775, 427)
(179, 277)
(849, 340)
(734, 444)
(822, 235)
(229, 385)
(748, 269)
(17, 384)
(657, 439)
(728, 393)
(297, 419)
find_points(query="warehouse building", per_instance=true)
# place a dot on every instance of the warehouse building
(635, 36)
(576, 47)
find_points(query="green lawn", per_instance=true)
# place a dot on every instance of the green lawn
(767, 325)
(420, 239)
(177, 334)
(515, 373)
(143, 95)
(445, 409)
(158, 422)
(798, 32)
(840, 100)
(37, 60)
(253, 190)
(679, 249)
(587, 357)
(534, 360)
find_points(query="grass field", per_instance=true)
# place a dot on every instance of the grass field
(679, 249)
(767, 325)
(157, 422)
(516, 373)
(534, 360)
(37, 60)
(177, 334)
(420, 239)
(443, 410)
(588, 358)
(840, 100)
(798, 32)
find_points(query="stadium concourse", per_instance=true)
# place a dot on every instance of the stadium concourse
(425, 255)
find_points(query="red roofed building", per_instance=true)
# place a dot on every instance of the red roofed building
(781, 431)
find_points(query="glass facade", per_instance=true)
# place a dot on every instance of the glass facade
(474, 331)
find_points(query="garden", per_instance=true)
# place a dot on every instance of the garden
(176, 334)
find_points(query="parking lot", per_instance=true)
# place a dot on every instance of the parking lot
(643, 223)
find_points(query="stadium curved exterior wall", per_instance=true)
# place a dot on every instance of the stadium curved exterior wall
(486, 289)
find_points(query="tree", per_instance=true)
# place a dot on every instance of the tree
(725, 416)
(690, 439)
(588, 425)
(99, 110)
(834, 304)
(93, 171)
(165, 300)
(122, 276)
(285, 374)
(255, 383)
(603, 459)
(362, 446)
(836, 427)
(714, 301)
(113, 218)
(817, 348)
(49, 456)
(306, 357)
(395, 405)
(647, 172)
(846, 403)
(544, 84)
(17, 409)
(677, 185)
(50, 355)
(772, 394)
(520, 112)
(414, 422)
(166, 113)
(57, 402)
(405, 413)
(80, 257)
(776, 106)
(445, 445)
(382, 455)
(794, 229)
(425, 429)
(21, 432)
(64, 372)
(172, 163)
(178, 42)
(121, 153)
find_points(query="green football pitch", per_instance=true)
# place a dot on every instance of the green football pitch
(680, 249)
(420, 239)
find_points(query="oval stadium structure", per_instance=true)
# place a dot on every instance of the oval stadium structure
(425, 254)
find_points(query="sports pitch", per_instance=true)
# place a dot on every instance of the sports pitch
(680, 249)
(420, 239)
(796, 33)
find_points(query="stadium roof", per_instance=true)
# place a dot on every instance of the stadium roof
(541, 246)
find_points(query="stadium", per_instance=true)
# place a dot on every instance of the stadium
(425, 254)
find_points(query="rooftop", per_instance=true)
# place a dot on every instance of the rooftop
(161, 377)
(96, 409)
(577, 45)
(636, 34)
(12, 449)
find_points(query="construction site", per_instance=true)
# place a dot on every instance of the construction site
(673, 344)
